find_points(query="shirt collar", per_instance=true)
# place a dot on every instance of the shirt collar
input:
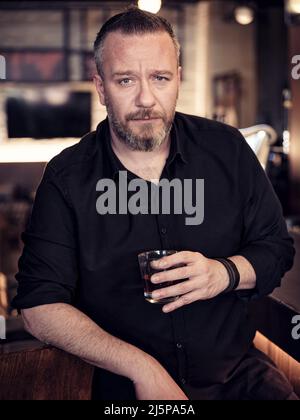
(178, 145)
(114, 165)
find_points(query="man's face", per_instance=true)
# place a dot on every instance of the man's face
(140, 87)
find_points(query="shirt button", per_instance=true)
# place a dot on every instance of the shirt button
(183, 381)
(163, 230)
(179, 345)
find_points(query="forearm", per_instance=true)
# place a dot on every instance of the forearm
(247, 273)
(65, 327)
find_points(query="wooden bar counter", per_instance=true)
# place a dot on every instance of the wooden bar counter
(30, 370)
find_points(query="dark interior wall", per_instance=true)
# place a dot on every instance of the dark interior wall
(294, 49)
(272, 41)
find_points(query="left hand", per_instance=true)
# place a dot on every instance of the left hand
(205, 278)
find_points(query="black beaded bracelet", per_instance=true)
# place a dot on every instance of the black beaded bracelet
(234, 275)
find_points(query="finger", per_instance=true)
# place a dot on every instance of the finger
(175, 290)
(182, 257)
(173, 274)
(186, 299)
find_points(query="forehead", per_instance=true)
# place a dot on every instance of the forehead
(150, 48)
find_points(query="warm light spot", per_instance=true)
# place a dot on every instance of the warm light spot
(152, 6)
(244, 15)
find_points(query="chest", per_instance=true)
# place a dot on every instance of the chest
(150, 173)
(149, 170)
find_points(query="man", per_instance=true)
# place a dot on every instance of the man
(80, 287)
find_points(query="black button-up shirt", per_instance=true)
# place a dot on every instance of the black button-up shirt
(74, 255)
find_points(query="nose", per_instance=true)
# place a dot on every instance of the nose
(145, 97)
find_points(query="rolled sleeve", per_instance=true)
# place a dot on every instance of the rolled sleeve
(266, 243)
(48, 271)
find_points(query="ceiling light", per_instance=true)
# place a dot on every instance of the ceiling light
(152, 6)
(244, 15)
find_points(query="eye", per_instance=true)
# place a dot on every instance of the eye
(125, 82)
(161, 78)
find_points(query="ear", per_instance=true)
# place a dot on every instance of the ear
(98, 81)
(180, 74)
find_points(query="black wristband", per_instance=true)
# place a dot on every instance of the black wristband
(234, 275)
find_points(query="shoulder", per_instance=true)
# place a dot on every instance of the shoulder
(214, 140)
(73, 156)
(195, 126)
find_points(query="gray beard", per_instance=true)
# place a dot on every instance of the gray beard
(147, 142)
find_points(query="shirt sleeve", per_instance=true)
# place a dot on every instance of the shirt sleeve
(266, 243)
(48, 269)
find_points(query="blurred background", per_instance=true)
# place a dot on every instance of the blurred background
(241, 65)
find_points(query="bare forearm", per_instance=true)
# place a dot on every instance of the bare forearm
(65, 327)
(247, 273)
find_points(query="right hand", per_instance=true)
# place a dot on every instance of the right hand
(154, 383)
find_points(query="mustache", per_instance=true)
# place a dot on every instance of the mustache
(144, 114)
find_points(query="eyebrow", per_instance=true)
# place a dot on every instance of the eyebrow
(130, 73)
